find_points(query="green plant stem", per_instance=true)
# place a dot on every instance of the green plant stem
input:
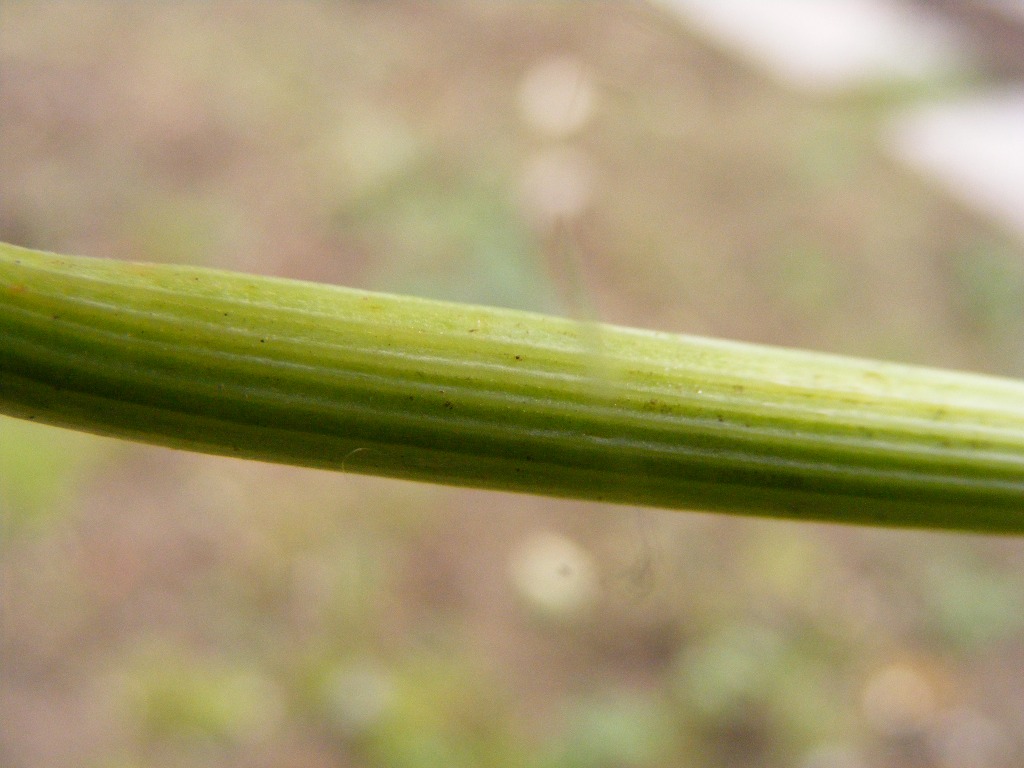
(336, 378)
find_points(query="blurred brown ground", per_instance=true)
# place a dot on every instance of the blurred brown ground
(165, 609)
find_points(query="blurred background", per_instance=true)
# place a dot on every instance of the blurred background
(634, 163)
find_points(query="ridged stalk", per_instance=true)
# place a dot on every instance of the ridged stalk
(330, 377)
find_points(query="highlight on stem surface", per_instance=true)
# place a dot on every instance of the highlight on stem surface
(330, 377)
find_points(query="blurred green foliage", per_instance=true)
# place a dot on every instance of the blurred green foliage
(40, 470)
(449, 237)
(989, 275)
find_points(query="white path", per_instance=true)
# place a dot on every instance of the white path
(827, 44)
(974, 146)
